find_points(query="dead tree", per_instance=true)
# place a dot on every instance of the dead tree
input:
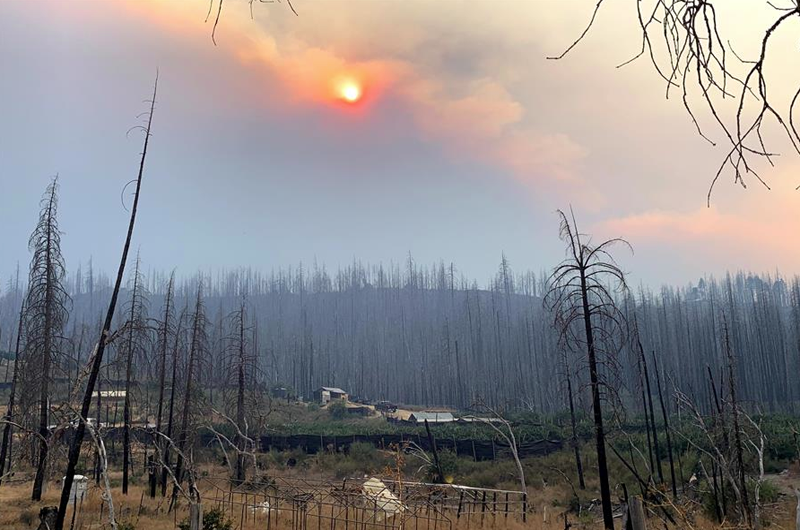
(665, 417)
(197, 349)
(507, 433)
(97, 360)
(580, 295)
(5, 450)
(573, 421)
(241, 362)
(737, 432)
(165, 331)
(134, 345)
(45, 316)
(691, 52)
(644, 383)
(172, 396)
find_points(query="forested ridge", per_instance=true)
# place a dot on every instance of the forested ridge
(428, 336)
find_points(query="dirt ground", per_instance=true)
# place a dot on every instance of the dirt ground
(138, 511)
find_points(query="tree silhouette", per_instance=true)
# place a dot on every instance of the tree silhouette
(588, 320)
(45, 316)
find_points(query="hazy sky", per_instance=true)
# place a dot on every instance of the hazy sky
(465, 142)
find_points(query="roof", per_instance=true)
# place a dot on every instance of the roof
(480, 419)
(399, 415)
(110, 393)
(432, 417)
(332, 389)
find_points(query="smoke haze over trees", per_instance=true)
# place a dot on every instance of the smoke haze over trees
(426, 335)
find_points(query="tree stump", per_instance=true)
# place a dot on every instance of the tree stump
(637, 519)
(195, 516)
(797, 516)
(47, 518)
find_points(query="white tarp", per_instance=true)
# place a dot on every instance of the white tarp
(386, 501)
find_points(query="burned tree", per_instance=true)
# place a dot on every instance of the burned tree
(166, 329)
(241, 363)
(45, 316)
(172, 396)
(574, 441)
(5, 450)
(586, 315)
(134, 345)
(97, 359)
(197, 349)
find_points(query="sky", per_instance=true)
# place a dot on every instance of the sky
(464, 141)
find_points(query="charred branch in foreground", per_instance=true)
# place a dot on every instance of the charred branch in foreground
(684, 43)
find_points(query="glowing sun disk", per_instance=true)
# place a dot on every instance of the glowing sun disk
(351, 92)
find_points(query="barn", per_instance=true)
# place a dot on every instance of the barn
(326, 394)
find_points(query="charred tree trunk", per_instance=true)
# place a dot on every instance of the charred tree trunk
(198, 333)
(240, 383)
(171, 414)
(575, 444)
(666, 427)
(737, 434)
(162, 368)
(600, 436)
(77, 440)
(5, 450)
(45, 317)
(652, 420)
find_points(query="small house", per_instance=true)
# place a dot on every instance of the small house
(326, 394)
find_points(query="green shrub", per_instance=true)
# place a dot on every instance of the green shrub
(28, 518)
(449, 462)
(213, 519)
(363, 452)
(769, 492)
(337, 410)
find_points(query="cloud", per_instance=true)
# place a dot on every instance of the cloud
(711, 240)
(468, 111)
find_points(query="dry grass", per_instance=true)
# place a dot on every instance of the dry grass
(17, 511)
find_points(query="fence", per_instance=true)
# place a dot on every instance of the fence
(357, 504)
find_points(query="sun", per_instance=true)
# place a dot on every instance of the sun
(350, 92)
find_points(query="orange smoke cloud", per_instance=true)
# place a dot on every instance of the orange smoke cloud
(479, 119)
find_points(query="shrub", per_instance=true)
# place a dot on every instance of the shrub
(769, 492)
(449, 462)
(213, 519)
(363, 452)
(337, 410)
(28, 518)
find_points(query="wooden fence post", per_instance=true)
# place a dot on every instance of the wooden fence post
(637, 514)
(797, 517)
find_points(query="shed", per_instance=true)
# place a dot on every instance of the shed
(431, 417)
(481, 419)
(111, 395)
(326, 394)
(79, 486)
